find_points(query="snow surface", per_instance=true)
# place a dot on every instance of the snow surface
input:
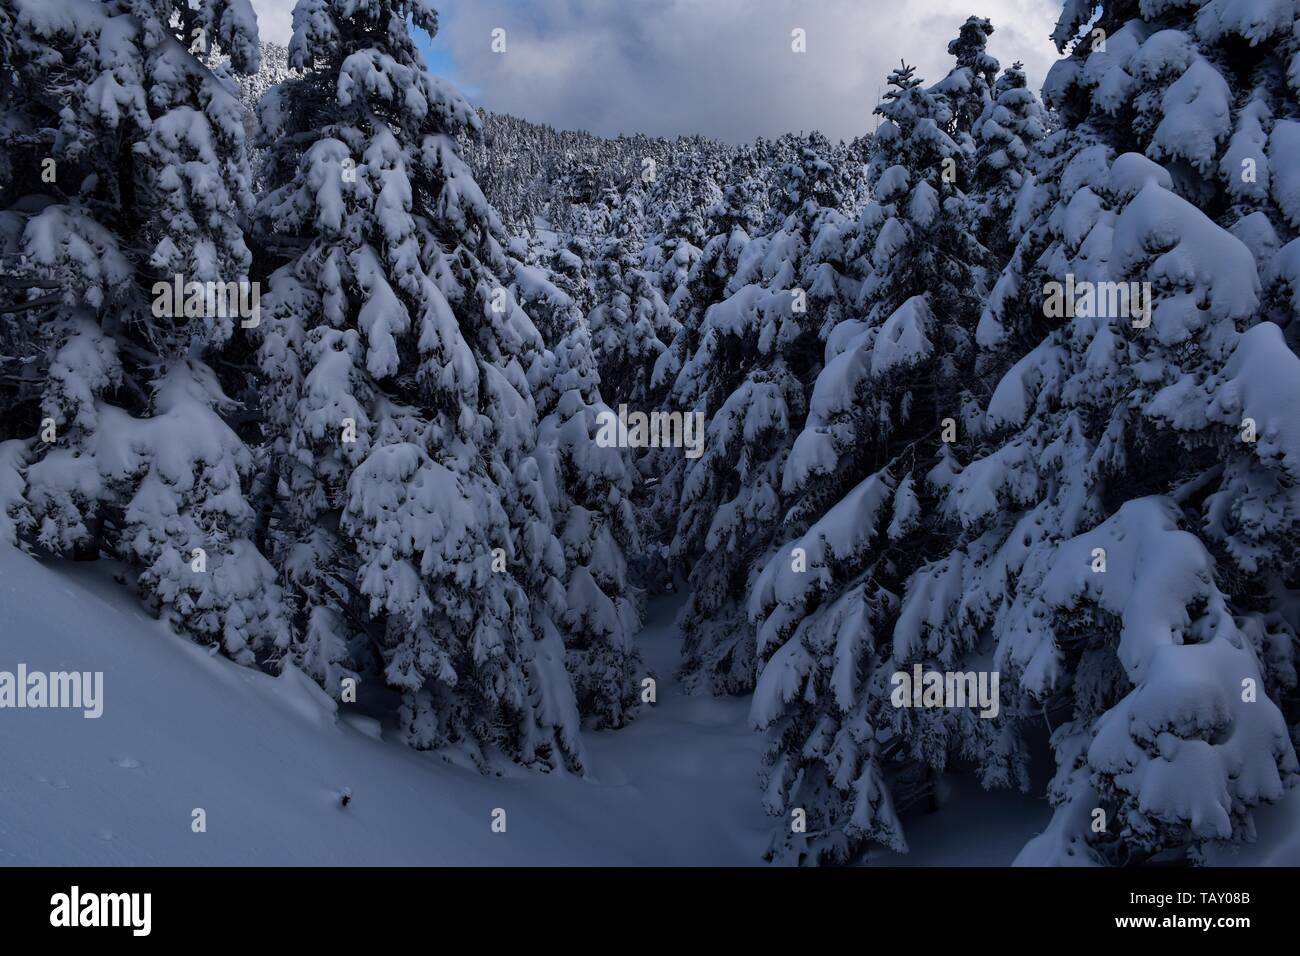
(268, 758)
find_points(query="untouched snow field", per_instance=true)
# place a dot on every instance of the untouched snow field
(268, 757)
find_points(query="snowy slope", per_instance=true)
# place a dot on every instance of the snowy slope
(266, 758)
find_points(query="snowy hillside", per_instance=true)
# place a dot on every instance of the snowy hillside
(268, 758)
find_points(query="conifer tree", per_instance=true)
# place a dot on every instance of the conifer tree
(862, 481)
(589, 486)
(630, 325)
(1007, 134)
(1107, 532)
(124, 183)
(968, 86)
(756, 355)
(397, 358)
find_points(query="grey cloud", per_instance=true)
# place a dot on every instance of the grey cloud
(719, 67)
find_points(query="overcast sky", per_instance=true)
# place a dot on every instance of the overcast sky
(724, 68)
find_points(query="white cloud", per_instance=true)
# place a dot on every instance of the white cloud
(720, 67)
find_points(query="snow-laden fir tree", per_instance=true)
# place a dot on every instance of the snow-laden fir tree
(861, 482)
(1013, 172)
(719, 268)
(421, 521)
(756, 354)
(729, 260)
(589, 486)
(1184, 461)
(125, 176)
(677, 257)
(630, 325)
(1006, 134)
(568, 262)
(1121, 554)
(968, 86)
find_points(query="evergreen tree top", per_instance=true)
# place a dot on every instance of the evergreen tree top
(902, 78)
(322, 29)
(969, 47)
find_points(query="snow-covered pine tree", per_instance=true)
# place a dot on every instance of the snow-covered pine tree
(418, 514)
(1015, 174)
(1007, 134)
(861, 481)
(673, 252)
(630, 325)
(674, 249)
(756, 354)
(1121, 556)
(124, 179)
(720, 267)
(677, 256)
(1168, 450)
(589, 487)
(968, 86)
(729, 260)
